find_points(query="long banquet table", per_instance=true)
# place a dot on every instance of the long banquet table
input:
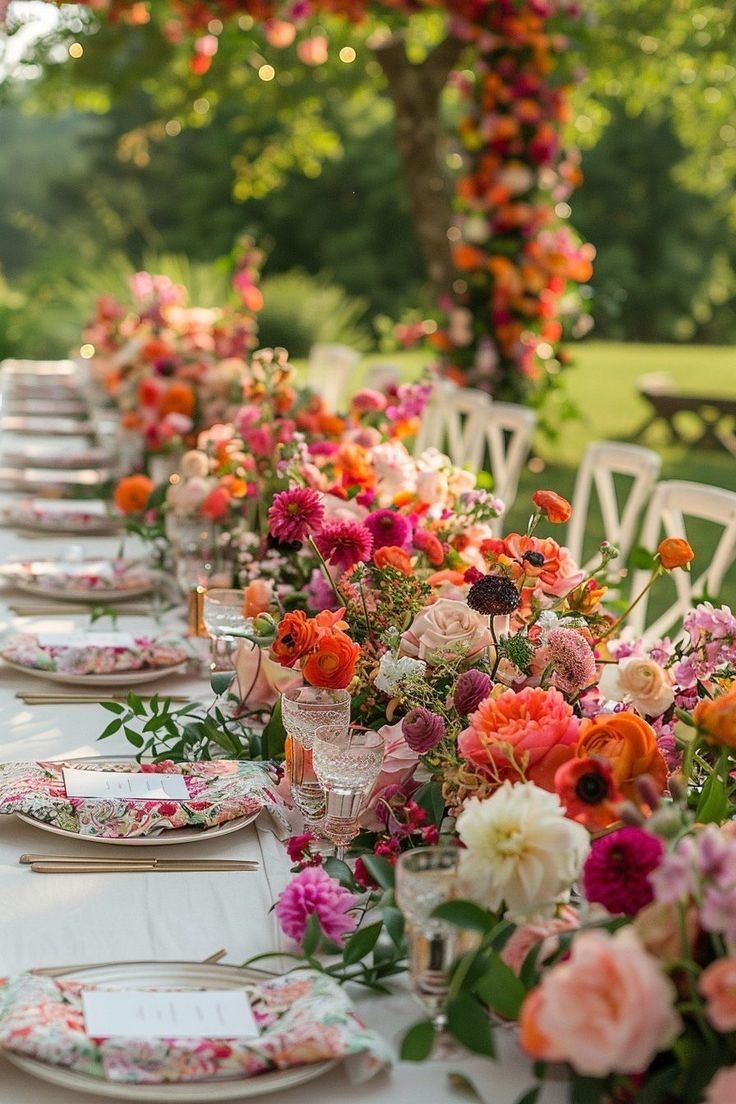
(49, 920)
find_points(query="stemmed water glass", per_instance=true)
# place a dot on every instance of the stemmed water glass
(303, 710)
(226, 622)
(347, 762)
(425, 878)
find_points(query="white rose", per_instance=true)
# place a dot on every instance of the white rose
(187, 497)
(521, 851)
(195, 463)
(641, 681)
(432, 487)
(461, 481)
(445, 627)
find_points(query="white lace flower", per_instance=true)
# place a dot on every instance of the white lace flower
(393, 670)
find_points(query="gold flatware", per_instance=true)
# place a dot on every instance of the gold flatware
(55, 971)
(150, 866)
(105, 860)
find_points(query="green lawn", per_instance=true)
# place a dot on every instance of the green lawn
(603, 384)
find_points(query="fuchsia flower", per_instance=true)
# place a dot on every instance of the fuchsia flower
(616, 872)
(388, 529)
(345, 543)
(314, 893)
(294, 513)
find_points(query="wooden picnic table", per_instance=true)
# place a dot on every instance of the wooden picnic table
(716, 414)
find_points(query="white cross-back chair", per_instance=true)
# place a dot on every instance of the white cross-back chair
(453, 422)
(329, 372)
(620, 513)
(671, 504)
(505, 444)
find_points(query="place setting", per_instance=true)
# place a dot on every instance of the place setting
(82, 516)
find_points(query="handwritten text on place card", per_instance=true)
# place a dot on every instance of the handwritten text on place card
(112, 784)
(86, 640)
(141, 1014)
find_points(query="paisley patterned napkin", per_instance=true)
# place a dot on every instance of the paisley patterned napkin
(218, 792)
(303, 1017)
(143, 653)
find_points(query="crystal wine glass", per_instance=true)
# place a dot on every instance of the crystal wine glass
(225, 621)
(347, 762)
(425, 878)
(303, 710)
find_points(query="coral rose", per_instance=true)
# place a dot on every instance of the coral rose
(718, 986)
(524, 736)
(446, 628)
(609, 1008)
(629, 744)
(675, 552)
(132, 494)
(179, 399)
(717, 718)
(295, 636)
(393, 556)
(554, 507)
(332, 663)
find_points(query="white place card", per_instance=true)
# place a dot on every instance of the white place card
(86, 640)
(97, 507)
(70, 569)
(141, 1014)
(113, 784)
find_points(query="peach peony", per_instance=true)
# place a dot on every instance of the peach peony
(608, 1008)
(524, 736)
(446, 628)
(527, 936)
(718, 986)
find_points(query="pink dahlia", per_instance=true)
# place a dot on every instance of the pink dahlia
(388, 529)
(314, 893)
(294, 513)
(572, 659)
(617, 871)
(344, 543)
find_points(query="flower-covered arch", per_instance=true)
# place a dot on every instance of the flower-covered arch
(500, 258)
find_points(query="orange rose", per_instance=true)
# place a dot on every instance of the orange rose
(716, 717)
(132, 494)
(392, 556)
(554, 507)
(179, 399)
(629, 744)
(295, 636)
(675, 552)
(332, 664)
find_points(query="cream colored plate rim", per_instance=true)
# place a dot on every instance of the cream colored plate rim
(122, 678)
(93, 597)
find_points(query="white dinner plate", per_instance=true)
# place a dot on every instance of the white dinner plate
(120, 678)
(138, 975)
(99, 597)
(61, 526)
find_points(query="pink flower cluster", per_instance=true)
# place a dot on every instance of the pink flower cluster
(704, 868)
(712, 635)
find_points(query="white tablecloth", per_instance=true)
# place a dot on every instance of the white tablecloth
(48, 920)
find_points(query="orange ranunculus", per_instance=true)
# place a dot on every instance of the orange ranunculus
(132, 494)
(554, 507)
(675, 552)
(179, 399)
(330, 424)
(629, 744)
(332, 663)
(329, 620)
(393, 556)
(295, 636)
(716, 717)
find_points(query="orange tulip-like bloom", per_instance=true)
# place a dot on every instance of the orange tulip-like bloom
(629, 744)
(295, 636)
(258, 597)
(132, 494)
(179, 399)
(675, 552)
(392, 556)
(716, 717)
(554, 507)
(332, 663)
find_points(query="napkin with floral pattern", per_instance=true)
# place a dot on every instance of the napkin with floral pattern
(303, 1017)
(219, 791)
(141, 653)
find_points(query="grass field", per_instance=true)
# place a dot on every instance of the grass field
(603, 384)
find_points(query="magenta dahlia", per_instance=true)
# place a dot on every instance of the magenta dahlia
(344, 543)
(314, 893)
(616, 872)
(388, 529)
(295, 513)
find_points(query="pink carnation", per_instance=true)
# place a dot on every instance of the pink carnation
(314, 893)
(345, 543)
(294, 513)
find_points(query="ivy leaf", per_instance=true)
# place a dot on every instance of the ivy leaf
(380, 870)
(219, 681)
(340, 871)
(465, 915)
(361, 943)
(136, 705)
(394, 923)
(274, 734)
(114, 726)
(500, 988)
(133, 737)
(113, 707)
(418, 1042)
(713, 802)
(468, 1021)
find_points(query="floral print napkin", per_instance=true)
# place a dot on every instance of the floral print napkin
(218, 792)
(303, 1017)
(146, 652)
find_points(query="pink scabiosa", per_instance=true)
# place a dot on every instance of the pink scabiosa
(422, 729)
(344, 543)
(388, 529)
(572, 660)
(314, 893)
(295, 513)
(617, 871)
(471, 688)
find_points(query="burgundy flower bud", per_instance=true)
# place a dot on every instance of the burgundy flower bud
(471, 688)
(422, 730)
(473, 575)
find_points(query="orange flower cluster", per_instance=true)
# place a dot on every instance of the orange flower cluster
(327, 654)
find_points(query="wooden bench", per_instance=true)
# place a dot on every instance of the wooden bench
(715, 413)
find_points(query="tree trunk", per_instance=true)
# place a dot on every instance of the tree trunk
(416, 92)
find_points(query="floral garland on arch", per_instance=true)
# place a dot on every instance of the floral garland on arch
(518, 263)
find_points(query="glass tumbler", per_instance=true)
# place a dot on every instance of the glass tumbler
(347, 763)
(303, 710)
(225, 621)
